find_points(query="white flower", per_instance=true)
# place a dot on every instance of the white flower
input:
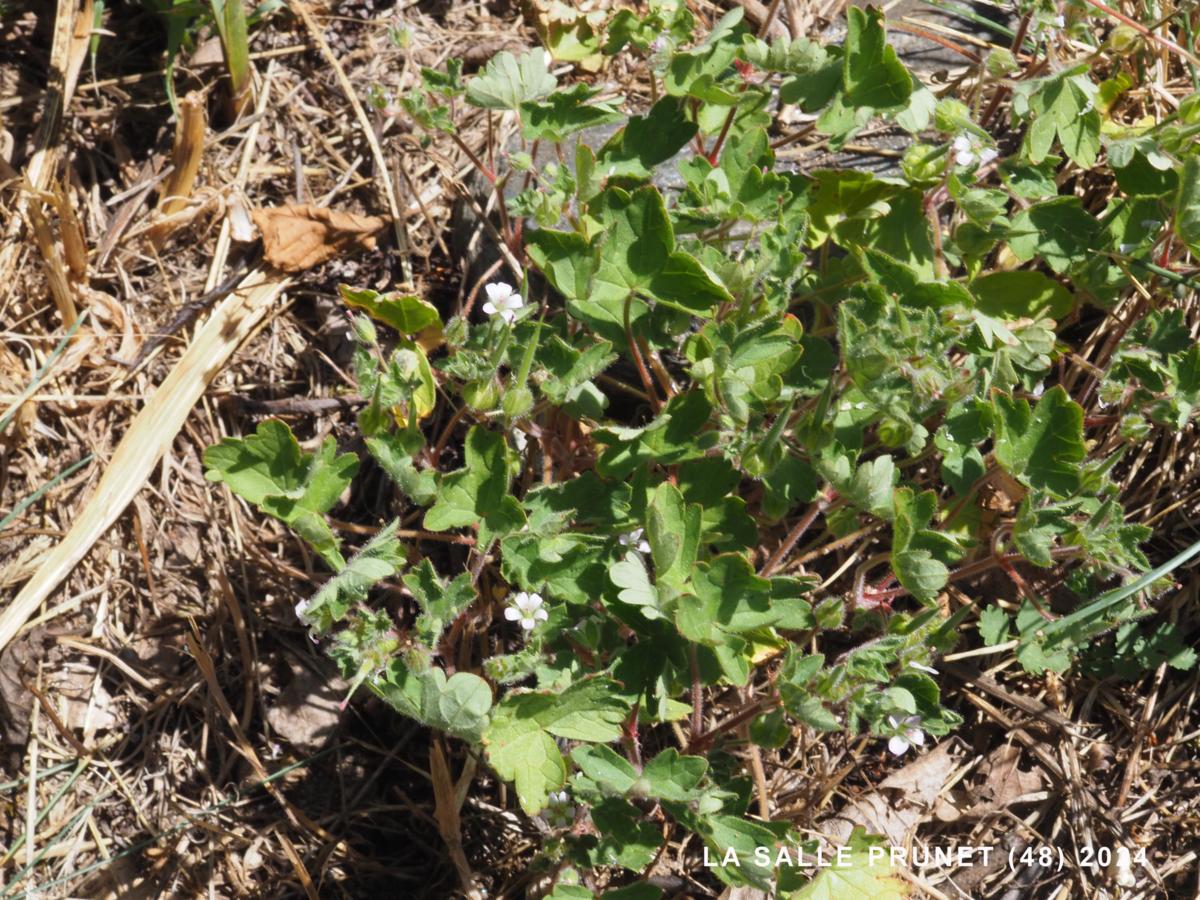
(910, 733)
(923, 668)
(502, 301)
(1060, 21)
(559, 813)
(636, 540)
(527, 609)
(968, 148)
(302, 608)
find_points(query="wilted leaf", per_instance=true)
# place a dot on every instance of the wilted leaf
(299, 236)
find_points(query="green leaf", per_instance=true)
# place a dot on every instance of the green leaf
(440, 603)
(919, 554)
(993, 626)
(567, 111)
(478, 492)
(864, 875)
(268, 463)
(1044, 446)
(872, 73)
(729, 599)
(638, 255)
(694, 73)
(677, 434)
(404, 312)
(674, 777)
(608, 771)
(809, 709)
(629, 574)
(508, 81)
(1062, 106)
(268, 469)
(1060, 231)
(871, 486)
(1187, 204)
(1022, 294)
(458, 705)
(1032, 536)
(625, 839)
(382, 557)
(647, 141)
(521, 751)
(395, 458)
(520, 739)
(920, 573)
(673, 529)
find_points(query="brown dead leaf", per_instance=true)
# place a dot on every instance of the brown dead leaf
(17, 663)
(307, 712)
(300, 236)
(1004, 782)
(84, 703)
(900, 803)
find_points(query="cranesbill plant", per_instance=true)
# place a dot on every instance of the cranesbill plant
(712, 462)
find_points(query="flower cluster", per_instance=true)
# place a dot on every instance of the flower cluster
(969, 149)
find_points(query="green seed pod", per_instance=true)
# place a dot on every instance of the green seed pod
(894, 433)
(1124, 40)
(481, 396)
(456, 331)
(1001, 62)
(1134, 427)
(517, 401)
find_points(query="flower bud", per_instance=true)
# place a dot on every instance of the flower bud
(364, 330)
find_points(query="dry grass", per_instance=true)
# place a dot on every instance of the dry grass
(142, 689)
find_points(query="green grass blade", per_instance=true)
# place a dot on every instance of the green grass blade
(1113, 597)
(37, 495)
(41, 373)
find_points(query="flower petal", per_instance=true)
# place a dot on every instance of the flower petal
(897, 745)
(512, 613)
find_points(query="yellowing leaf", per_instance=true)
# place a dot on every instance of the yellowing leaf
(405, 313)
(869, 875)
